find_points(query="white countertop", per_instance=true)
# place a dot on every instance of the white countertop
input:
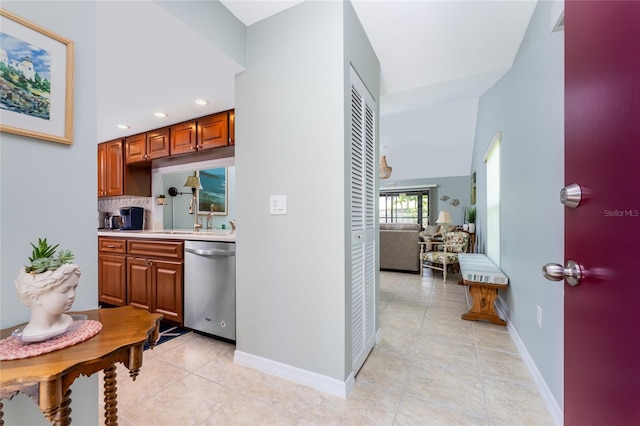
(224, 235)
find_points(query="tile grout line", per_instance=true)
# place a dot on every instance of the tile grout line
(482, 375)
(404, 288)
(413, 351)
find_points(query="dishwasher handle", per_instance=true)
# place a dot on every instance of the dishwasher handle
(210, 252)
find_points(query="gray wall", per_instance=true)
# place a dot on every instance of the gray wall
(213, 21)
(175, 215)
(358, 54)
(49, 190)
(456, 188)
(432, 141)
(527, 106)
(290, 128)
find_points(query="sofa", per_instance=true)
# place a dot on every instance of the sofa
(399, 247)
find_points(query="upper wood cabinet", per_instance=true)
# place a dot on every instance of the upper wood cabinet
(184, 138)
(117, 178)
(138, 151)
(136, 148)
(158, 145)
(110, 168)
(211, 131)
(148, 146)
(102, 167)
(232, 127)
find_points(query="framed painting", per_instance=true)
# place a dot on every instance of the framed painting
(36, 80)
(213, 195)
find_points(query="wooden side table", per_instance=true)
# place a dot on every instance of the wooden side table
(472, 243)
(47, 378)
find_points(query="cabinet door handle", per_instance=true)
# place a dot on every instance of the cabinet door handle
(111, 246)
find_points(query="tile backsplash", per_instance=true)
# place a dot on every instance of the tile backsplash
(112, 205)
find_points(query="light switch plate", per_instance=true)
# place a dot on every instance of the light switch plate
(278, 204)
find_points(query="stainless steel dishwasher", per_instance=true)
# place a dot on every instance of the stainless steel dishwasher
(210, 287)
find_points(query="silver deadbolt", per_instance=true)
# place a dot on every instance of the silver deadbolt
(570, 272)
(571, 195)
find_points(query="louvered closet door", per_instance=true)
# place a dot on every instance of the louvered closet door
(363, 237)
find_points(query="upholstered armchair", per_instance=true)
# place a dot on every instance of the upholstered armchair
(446, 254)
(432, 235)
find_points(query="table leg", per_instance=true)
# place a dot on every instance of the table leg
(482, 309)
(110, 396)
(62, 415)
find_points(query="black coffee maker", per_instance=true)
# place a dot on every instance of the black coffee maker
(132, 218)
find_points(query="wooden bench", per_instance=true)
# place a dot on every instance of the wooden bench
(484, 279)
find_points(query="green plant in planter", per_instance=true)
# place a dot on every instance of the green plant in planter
(471, 214)
(43, 257)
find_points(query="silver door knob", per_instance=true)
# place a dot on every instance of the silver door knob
(571, 195)
(570, 272)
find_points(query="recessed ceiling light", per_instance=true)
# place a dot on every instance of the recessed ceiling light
(123, 126)
(161, 114)
(201, 102)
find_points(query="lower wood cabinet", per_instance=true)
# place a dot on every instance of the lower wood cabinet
(112, 279)
(144, 273)
(156, 285)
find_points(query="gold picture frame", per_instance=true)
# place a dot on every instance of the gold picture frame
(36, 80)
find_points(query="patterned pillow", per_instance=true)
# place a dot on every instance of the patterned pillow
(456, 242)
(432, 229)
(429, 232)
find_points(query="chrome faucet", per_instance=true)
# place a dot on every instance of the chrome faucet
(210, 218)
(194, 202)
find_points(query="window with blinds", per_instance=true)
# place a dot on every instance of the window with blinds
(404, 207)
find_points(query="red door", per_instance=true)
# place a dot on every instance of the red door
(602, 155)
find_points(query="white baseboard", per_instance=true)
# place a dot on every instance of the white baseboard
(308, 378)
(545, 392)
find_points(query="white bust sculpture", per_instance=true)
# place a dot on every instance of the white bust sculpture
(49, 294)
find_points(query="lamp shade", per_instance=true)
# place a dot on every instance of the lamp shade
(193, 182)
(444, 217)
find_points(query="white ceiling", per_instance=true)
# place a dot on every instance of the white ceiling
(148, 61)
(429, 52)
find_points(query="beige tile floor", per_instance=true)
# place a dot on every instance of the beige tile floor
(430, 368)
